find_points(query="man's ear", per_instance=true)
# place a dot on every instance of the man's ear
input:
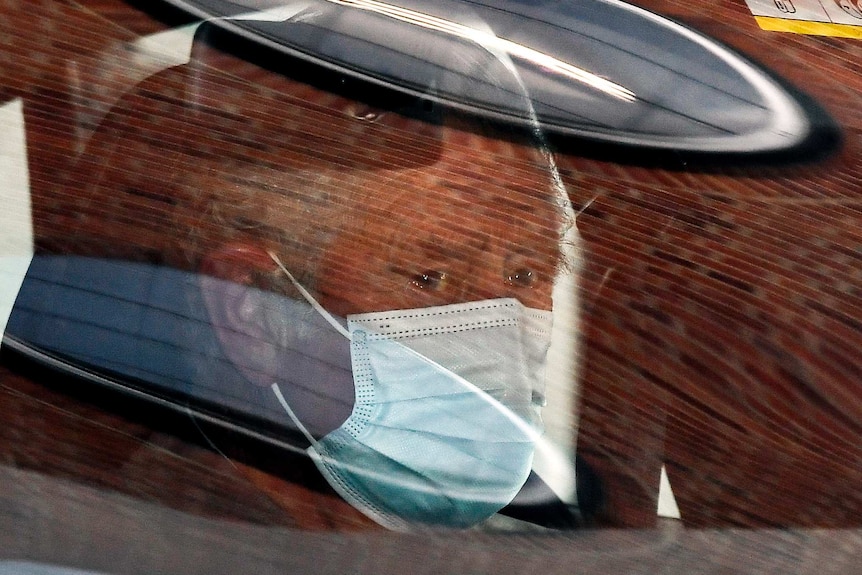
(238, 311)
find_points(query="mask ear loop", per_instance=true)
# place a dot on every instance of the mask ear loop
(332, 321)
(309, 298)
(294, 418)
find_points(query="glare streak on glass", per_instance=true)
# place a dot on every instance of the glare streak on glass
(492, 42)
(551, 460)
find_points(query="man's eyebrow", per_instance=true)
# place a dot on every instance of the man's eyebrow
(524, 250)
(441, 246)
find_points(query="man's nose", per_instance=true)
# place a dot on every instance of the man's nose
(499, 273)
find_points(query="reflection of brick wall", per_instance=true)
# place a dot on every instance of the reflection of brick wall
(723, 313)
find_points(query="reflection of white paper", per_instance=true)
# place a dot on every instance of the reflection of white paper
(844, 11)
(810, 10)
(16, 222)
(827, 11)
(667, 506)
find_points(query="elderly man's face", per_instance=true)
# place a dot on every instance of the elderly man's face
(476, 224)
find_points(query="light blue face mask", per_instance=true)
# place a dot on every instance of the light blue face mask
(446, 416)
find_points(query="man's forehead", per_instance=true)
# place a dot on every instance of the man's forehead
(371, 122)
(262, 148)
(462, 169)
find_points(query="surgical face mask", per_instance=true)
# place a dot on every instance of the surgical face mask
(446, 415)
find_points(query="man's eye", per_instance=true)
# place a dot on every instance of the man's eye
(521, 277)
(430, 280)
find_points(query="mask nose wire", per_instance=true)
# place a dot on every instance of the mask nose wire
(328, 317)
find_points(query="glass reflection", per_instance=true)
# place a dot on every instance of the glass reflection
(197, 184)
(599, 69)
